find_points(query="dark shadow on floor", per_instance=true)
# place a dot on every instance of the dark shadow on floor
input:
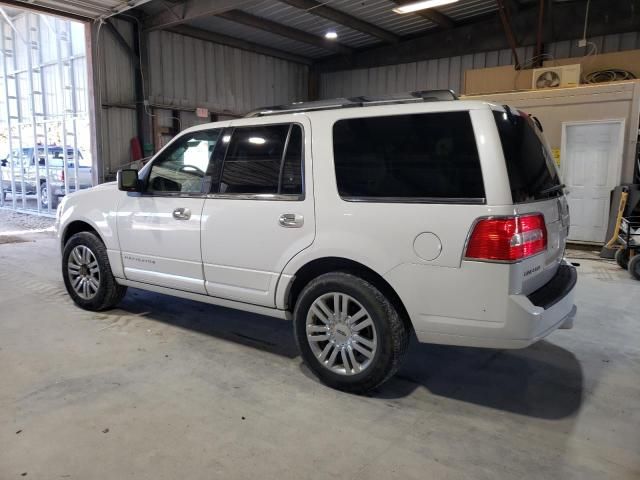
(269, 334)
(543, 381)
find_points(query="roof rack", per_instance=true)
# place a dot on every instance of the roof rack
(352, 102)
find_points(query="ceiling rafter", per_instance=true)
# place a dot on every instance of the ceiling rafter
(270, 26)
(184, 12)
(321, 10)
(206, 35)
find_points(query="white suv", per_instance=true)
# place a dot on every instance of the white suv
(365, 221)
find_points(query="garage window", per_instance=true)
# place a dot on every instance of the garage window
(421, 157)
(263, 160)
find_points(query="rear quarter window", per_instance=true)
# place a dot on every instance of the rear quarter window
(532, 172)
(417, 157)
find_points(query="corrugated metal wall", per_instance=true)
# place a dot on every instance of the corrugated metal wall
(186, 73)
(116, 77)
(449, 72)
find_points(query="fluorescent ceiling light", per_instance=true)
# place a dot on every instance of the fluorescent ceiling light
(257, 140)
(331, 35)
(416, 6)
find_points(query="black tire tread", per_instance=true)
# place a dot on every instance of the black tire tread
(398, 335)
(110, 292)
(634, 266)
(622, 258)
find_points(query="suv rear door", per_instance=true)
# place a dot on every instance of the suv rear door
(536, 187)
(261, 210)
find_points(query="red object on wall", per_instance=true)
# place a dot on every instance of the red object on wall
(136, 149)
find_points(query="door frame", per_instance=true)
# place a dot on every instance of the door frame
(618, 167)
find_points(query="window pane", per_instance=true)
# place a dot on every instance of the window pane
(532, 173)
(292, 168)
(183, 167)
(430, 155)
(252, 163)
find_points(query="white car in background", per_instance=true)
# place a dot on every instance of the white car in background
(365, 221)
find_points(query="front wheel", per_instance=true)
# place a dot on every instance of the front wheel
(87, 273)
(349, 334)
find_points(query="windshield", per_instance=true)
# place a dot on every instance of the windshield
(532, 172)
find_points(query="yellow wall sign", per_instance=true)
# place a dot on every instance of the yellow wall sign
(556, 155)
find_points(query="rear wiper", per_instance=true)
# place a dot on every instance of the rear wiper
(555, 188)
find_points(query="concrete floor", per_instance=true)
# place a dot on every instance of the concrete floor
(163, 388)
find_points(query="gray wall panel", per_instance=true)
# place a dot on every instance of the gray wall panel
(189, 73)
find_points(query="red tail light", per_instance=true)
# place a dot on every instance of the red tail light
(507, 238)
(61, 175)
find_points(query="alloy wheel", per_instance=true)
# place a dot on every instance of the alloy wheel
(341, 333)
(84, 272)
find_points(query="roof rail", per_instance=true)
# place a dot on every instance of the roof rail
(352, 102)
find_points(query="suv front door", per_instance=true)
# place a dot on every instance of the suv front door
(260, 213)
(159, 229)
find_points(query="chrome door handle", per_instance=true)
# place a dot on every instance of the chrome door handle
(291, 220)
(182, 214)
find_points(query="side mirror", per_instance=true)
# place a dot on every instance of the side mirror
(128, 180)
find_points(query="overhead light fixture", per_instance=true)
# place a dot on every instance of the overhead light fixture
(416, 6)
(331, 35)
(257, 140)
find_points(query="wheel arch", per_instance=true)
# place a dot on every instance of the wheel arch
(320, 266)
(78, 226)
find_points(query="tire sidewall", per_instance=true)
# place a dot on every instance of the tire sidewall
(371, 299)
(634, 266)
(100, 252)
(622, 258)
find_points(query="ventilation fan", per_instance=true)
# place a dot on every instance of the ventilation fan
(554, 77)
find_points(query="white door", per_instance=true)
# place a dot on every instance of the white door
(591, 165)
(261, 215)
(159, 229)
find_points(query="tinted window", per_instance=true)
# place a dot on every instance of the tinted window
(420, 156)
(531, 169)
(256, 161)
(291, 182)
(182, 168)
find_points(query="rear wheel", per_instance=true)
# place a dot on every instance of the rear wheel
(87, 273)
(44, 197)
(634, 266)
(622, 258)
(349, 334)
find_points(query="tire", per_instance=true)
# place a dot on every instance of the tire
(108, 293)
(384, 329)
(622, 258)
(634, 266)
(44, 198)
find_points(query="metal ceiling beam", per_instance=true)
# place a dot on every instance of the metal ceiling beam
(22, 4)
(432, 15)
(238, 43)
(188, 10)
(321, 10)
(505, 18)
(270, 26)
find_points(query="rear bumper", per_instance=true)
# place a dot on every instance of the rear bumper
(516, 321)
